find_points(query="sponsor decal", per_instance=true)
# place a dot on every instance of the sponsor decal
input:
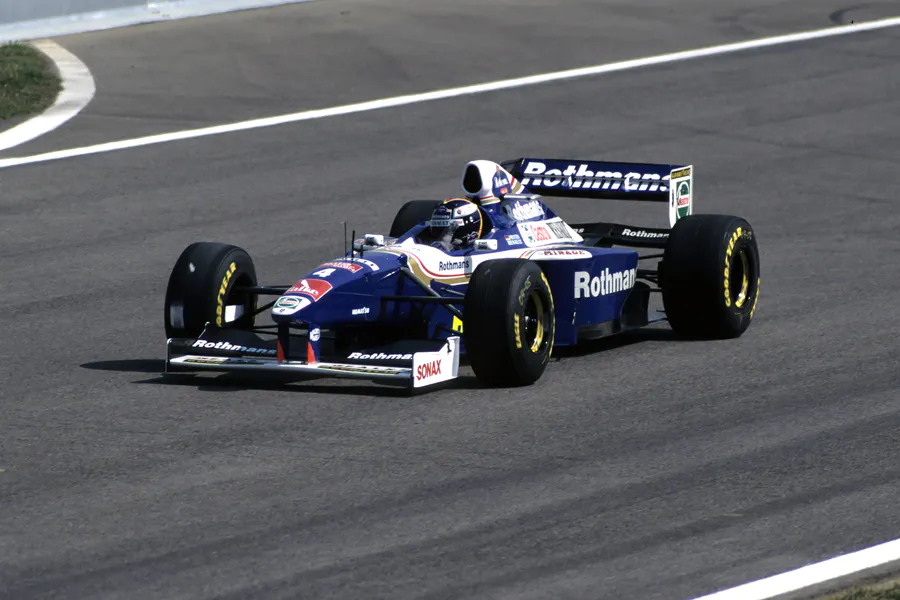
(379, 356)
(441, 223)
(220, 297)
(535, 234)
(501, 183)
(288, 305)
(524, 211)
(680, 195)
(577, 176)
(559, 229)
(229, 347)
(206, 360)
(315, 334)
(371, 370)
(245, 361)
(513, 239)
(561, 254)
(314, 288)
(360, 311)
(679, 173)
(363, 261)
(544, 232)
(683, 197)
(454, 265)
(346, 265)
(640, 233)
(429, 370)
(604, 284)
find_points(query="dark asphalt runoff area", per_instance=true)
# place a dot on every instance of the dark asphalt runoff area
(646, 468)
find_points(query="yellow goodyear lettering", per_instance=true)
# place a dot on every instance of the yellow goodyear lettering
(524, 290)
(552, 331)
(755, 299)
(220, 299)
(517, 331)
(731, 242)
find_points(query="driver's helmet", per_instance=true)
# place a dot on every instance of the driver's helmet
(455, 223)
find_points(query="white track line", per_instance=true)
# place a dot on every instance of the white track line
(814, 574)
(454, 92)
(77, 91)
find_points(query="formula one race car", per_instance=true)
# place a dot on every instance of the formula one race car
(495, 277)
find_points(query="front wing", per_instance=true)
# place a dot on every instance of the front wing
(416, 369)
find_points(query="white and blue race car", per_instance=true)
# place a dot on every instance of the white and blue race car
(494, 277)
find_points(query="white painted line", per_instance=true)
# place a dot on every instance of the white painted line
(77, 90)
(454, 92)
(813, 574)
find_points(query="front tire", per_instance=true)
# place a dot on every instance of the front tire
(508, 322)
(710, 276)
(202, 290)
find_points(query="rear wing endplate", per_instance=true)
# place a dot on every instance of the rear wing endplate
(608, 180)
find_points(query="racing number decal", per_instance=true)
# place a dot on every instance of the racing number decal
(324, 272)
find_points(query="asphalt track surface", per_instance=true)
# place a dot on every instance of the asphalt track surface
(645, 468)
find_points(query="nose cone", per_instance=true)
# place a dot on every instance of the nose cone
(341, 290)
(308, 291)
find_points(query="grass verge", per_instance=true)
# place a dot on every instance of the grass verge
(28, 81)
(883, 591)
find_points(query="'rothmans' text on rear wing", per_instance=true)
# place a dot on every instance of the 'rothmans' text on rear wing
(608, 180)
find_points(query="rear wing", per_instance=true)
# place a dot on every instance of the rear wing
(608, 180)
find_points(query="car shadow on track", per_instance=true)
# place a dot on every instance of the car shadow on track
(234, 382)
(621, 340)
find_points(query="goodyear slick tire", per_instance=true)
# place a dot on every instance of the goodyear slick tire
(411, 214)
(710, 276)
(202, 284)
(508, 322)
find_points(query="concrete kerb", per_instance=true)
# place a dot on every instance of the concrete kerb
(130, 13)
(77, 81)
(77, 91)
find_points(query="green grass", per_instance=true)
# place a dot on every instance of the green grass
(889, 591)
(28, 83)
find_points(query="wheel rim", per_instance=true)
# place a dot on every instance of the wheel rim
(740, 280)
(536, 322)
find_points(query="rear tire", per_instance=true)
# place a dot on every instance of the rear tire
(202, 287)
(508, 322)
(710, 276)
(411, 214)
